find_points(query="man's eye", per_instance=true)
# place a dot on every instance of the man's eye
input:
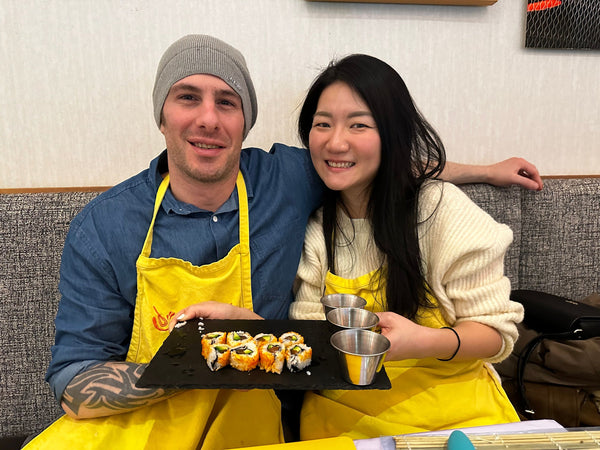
(186, 97)
(227, 103)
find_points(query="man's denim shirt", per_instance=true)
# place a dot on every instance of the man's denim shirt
(98, 273)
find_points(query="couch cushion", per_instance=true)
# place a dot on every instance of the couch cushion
(560, 250)
(32, 232)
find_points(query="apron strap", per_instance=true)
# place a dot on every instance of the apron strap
(160, 194)
(244, 234)
(244, 222)
(244, 230)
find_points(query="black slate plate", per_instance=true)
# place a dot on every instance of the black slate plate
(179, 363)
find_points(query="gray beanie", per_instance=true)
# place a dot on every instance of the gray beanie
(202, 54)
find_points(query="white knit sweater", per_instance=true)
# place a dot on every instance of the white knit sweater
(462, 251)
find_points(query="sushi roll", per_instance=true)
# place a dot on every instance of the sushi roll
(218, 356)
(264, 338)
(208, 339)
(299, 356)
(290, 338)
(272, 357)
(235, 338)
(244, 357)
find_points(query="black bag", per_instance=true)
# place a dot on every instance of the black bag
(556, 318)
(553, 315)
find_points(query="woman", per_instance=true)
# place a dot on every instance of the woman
(425, 257)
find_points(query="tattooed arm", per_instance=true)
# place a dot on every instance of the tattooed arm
(109, 388)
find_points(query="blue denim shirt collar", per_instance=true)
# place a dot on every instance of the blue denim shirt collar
(171, 205)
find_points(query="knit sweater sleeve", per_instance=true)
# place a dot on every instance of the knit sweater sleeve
(310, 278)
(462, 251)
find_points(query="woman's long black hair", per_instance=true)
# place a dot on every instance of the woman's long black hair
(411, 152)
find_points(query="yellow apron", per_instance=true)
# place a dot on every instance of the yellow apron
(210, 419)
(426, 394)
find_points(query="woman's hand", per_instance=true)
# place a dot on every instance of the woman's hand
(410, 340)
(405, 336)
(212, 310)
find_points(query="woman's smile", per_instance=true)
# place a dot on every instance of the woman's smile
(339, 164)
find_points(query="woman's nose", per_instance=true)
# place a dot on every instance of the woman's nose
(338, 141)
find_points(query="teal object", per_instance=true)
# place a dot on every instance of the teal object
(459, 441)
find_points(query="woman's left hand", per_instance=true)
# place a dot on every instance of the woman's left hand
(404, 336)
(469, 340)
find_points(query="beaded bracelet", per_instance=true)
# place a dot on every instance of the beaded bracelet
(457, 348)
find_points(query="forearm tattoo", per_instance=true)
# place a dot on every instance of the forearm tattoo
(110, 386)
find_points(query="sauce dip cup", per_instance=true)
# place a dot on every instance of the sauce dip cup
(360, 353)
(333, 301)
(343, 318)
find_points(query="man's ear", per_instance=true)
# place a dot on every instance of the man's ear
(162, 123)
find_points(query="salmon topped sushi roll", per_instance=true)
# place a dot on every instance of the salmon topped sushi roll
(244, 357)
(235, 338)
(298, 357)
(291, 338)
(208, 339)
(272, 357)
(264, 338)
(218, 356)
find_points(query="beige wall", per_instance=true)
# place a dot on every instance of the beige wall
(76, 79)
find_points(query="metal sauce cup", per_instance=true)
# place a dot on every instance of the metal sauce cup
(343, 318)
(361, 354)
(333, 301)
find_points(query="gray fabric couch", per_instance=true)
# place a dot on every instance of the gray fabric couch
(556, 249)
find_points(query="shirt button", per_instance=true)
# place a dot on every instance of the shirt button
(215, 219)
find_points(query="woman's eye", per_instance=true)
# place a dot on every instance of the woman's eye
(320, 125)
(360, 125)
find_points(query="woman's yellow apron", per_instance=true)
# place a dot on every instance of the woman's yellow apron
(208, 419)
(426, 394)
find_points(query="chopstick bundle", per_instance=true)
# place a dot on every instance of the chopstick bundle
(570, 440)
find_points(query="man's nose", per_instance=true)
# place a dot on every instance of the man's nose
(207, 116)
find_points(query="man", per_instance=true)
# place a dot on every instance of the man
(207, 221)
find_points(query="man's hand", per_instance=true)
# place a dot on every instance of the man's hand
(212, 310)
(511, 171)
(515, 171)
